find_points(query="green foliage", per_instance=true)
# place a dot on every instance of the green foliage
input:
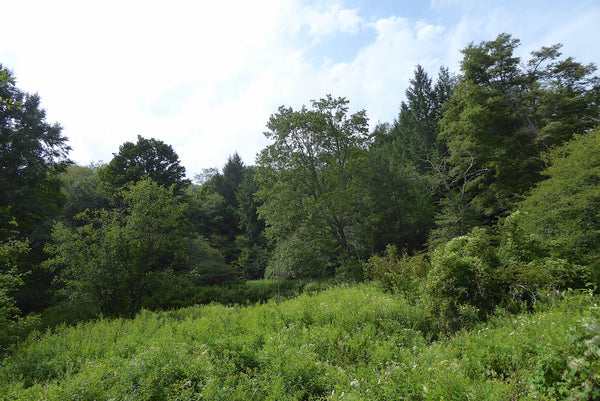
(84, 191)
(148, 158)
(398, 273)
(402, 170)
(118, 256)
(529, 264)
(311, 347)
(415, 133)
(182, 293)
(564, 210)
(224, 210)
(571, 372)
(307, 175)
(499, 121)
(473, 274)
(32, 153)
(303, 254)
(465, 280)
(12, 325)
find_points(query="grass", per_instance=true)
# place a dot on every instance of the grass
(348, 342)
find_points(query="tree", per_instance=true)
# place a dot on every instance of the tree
(415, 132)
(403, 170)
(111, 261)
(307, 175)
(252, 242)
(501, 118)
(84, 191)
(150, 158)
(563, 211)
(32, 154)
(216, 208)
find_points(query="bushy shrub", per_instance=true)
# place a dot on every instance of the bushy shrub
(529, 266)
(464, 281)
(13, 326)
(398, 273)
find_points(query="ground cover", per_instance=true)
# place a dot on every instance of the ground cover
(348, 342)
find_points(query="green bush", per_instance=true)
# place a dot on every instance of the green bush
(529, 266)
(13, 326)
(563, 211)
(465, 282)
(403, 274)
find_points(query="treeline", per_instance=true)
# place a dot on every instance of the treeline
(485, 189)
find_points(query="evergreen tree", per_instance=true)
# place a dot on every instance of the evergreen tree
(404, 164)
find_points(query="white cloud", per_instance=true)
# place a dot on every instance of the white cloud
(331, 19)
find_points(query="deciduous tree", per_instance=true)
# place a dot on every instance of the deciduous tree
(32, 154)
(500, 119)
(149, 158)
(307, 174)
(113, 260)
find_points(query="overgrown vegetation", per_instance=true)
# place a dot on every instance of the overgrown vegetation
(474, 218)
(344, 343)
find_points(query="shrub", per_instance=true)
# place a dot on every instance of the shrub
(398, 273)
(530, 266)
(12, 325)
(464, 281)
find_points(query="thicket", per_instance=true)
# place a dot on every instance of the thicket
(344, 343)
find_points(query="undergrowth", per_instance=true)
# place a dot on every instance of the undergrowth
(348, 342)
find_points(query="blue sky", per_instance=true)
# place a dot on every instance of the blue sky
(205, 76)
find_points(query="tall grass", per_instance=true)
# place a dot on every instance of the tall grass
(351, 343)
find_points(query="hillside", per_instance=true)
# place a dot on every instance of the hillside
(349, 342)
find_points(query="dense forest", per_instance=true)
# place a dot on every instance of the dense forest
(483, 194)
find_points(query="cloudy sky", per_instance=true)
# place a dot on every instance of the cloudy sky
(204, 76)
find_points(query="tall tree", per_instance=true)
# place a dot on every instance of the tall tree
(32, 154)
(500, 119)
(403, 164)
(307, 174)
(215, 210)
(415, 133)
(251, 242)
(84, 191)
(150, 158)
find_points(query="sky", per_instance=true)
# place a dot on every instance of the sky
(204, 76)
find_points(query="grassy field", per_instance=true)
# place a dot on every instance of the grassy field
(345, 343)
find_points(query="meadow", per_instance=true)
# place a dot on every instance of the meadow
(350, 342)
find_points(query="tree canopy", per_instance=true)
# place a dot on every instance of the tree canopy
(500, 120)
(483, 191)
(32, 153)
(308, 172)
(150, 158)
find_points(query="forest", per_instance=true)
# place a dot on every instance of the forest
(473, 215)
